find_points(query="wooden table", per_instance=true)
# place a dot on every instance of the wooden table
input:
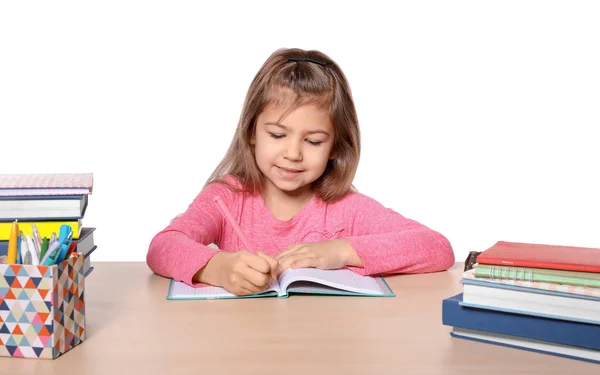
(132, 327)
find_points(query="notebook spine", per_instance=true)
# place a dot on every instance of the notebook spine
(510, 273)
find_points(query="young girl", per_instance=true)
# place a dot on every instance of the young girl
(286, 181)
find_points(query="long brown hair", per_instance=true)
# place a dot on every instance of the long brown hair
(294, 77)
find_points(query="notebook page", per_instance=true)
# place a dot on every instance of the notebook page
(341, 279)
(184, 291)
(181, 290)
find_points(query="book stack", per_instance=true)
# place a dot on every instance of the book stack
(48, 201)
(542, 298)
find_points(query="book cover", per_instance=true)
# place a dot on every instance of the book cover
(531, 301)
(542, 275)
(46, 184)
(566, 288)
(568, 258)
(85, 242)
(46, 228)
(515, 342)
(558, 331)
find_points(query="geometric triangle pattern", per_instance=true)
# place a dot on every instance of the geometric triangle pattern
(42, 308)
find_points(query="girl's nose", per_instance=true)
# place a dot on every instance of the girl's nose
(293, 151)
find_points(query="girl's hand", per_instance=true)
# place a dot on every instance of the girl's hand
(244, 273)
(327, 255)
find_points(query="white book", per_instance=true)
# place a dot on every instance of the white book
(531, 301)
(301, 280)
(43, 207)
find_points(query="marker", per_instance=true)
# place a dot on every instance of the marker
(11, 255)
(65, 238)
(35, 259)
(44, 248)
(37, 239)
(51, 255)
(25, 253)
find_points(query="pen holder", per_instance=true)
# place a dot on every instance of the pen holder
(42, 308)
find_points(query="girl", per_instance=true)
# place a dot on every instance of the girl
(286, 181)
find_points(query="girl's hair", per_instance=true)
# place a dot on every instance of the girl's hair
(292, 78)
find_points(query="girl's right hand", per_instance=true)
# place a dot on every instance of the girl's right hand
(244, 273)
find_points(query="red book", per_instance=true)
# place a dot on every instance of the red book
(568, 258)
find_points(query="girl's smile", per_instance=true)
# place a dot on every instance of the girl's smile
(288, 173)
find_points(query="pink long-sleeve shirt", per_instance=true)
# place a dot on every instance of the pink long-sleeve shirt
(386, 241)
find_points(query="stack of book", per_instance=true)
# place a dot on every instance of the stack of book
(542, 298)
(48, 201)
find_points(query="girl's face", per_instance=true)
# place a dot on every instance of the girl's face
(294, 152)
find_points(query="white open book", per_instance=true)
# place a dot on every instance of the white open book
(301, 280)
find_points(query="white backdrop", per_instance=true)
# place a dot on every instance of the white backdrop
(477, 117)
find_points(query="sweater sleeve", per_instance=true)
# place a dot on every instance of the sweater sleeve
(389, 243)
(180, 250)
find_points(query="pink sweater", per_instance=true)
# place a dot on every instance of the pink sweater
(386, 241)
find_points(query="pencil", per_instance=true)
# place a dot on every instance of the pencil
(221, 206)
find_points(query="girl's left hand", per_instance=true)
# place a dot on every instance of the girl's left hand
(327, 255)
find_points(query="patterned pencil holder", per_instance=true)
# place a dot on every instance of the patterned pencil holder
(42, 308)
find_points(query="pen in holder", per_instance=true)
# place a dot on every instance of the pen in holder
(52, 254)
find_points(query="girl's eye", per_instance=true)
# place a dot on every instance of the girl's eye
(276, 136)
(314, 143)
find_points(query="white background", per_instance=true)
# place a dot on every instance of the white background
(478, 118)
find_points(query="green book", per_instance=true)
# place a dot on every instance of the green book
(544, 275)
(291, 281)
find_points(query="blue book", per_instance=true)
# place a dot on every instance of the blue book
(564, 338)
(3, 248)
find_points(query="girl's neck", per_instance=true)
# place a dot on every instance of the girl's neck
(285, 205)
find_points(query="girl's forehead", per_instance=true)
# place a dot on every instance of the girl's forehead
(285, 109)
(286, 97)
(277, 111)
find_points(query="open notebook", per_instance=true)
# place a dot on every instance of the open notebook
(301, 280)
